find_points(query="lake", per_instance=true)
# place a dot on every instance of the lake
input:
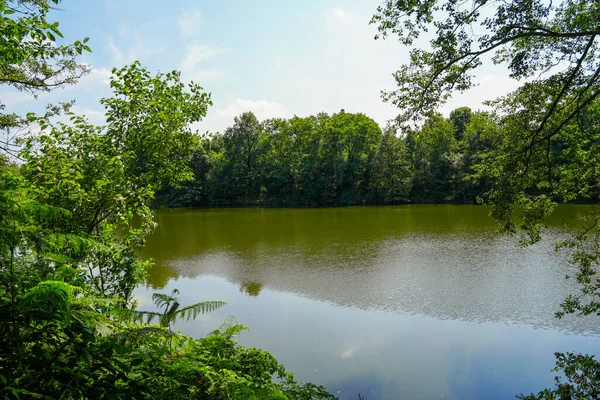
(404, 302)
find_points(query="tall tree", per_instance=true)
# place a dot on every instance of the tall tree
(460, 118)
(477, 141)
(282, 162)
(106, 176)
(555, 43)
(243, 150)
(32, 61)
(431, 151)
(391, 176)
(546, 145)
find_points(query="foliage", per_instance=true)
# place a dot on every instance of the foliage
(544, 147)
(171, 309)
(338, 160)
(582, 373)
(74, 212)
(431, 150)
(31, 58)
(555, 43)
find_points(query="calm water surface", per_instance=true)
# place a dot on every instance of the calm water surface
(408, 302)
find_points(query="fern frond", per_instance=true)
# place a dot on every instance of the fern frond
(46, 213)
(199, 308)
(122, 314)
(49, 300)
(161, 299)
(150, 316)
(230, 328)
(72, 244)
(86, 309)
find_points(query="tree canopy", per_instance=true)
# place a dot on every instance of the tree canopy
(544, 148)
(73, 213)
(553, 44)
(32, 60)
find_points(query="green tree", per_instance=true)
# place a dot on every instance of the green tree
(106, 176)
(476, 142)
(243, 150)
(307, 132)
(431, 152)
(392, 178)
(283, 161)
(195, 192)
(71, 218)
(361, 137)
(338, 160)
(31, 60)
(460, 118)
(554, 43)
(545, 148)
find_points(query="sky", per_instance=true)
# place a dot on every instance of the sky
(274, 58)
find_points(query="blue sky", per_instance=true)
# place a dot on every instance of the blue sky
(275, 58)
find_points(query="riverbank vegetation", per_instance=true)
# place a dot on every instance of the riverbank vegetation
(347, 159)
(69, 192)
(337, 160)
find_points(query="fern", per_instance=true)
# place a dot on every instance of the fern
(199, 308)
(230, 328)
(50, 300)
(171, 312)
(86, 310)
(71, 244)
(150, 316)
(161, 299)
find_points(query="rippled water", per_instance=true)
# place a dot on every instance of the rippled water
(412, 302)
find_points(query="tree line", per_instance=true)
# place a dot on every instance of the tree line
(337, 160)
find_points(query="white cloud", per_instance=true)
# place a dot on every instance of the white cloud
(489, 78)
(261, 108)
(12, 98)
(340, 15)
(96, 81)
(124, 30)
(116, 55)
(94, 117)
(219, 119)
(190, 22)
(102, 74)
(488, 87)
(203, 75)
(349, 352)
(196, 53)
(139, 49)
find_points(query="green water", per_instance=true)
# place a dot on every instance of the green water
(393, 302)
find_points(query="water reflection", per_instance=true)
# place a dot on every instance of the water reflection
(442, 261)
(412, 302)
(382, 354)
(251, 288)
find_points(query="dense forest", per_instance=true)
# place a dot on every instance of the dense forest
(338, 160)
(347, 159)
